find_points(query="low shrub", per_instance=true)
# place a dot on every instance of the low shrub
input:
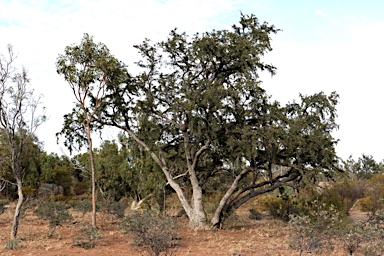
(365, 236)
(314, 232)
(83, 206)
(3, 203)
(281, 208)
(154, 233)
(374, 195)
(13, 244)
(55, 212)
(87, 236)
(111, 210)
(254, 214)
(344, 195)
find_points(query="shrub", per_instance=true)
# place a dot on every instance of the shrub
(55, 212)
(352, 237)
(254, 214)
(81, 188)
(366, 236)
(13, 244)
(313, 232)
(110, 206)
(374, 199)
(83, 206)
(112, 210)
(281, 208)
(3, 202)
(87, 237)
(154, 233)
(344, 195)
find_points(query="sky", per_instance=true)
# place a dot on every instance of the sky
(323, 45)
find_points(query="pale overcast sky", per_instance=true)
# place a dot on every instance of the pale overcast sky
(324, 45)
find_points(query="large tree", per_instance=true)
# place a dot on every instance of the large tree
(200, 113)
(89, 68)
(19, 120)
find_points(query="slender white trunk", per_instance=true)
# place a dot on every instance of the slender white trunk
(15, 223)
(93, 174)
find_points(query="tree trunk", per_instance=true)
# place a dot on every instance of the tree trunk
(217, 216)
(197, 219)
(93, 188)
(92, 159)
(15, 223)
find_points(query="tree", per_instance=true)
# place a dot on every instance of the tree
(364, 168)
(199, 111)
(89, 69)
(19, 120)
(56, 169)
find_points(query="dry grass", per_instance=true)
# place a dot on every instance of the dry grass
(243, 237)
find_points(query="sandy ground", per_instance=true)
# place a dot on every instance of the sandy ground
(243, 237)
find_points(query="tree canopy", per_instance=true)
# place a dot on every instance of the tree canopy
(199, 110)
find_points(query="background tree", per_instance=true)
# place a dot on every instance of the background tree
(56, 169)
(201, 113)
(18, 122)
(364, 168)
(89, 69)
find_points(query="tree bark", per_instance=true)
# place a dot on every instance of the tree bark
(15, 223)
(92, 159)
(216, 219)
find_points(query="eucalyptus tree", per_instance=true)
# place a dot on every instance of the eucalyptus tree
(89, 68)
(200, 112)
(19, 119)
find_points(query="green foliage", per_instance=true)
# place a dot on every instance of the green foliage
(87, 237)
(313, 233)
(81, 188)
(55, 212)
(155, 233)
(343, 195)
(206, 113)
(364, 168)
(374, 194)
(109, 206)
(56, 170)
(84, 205)
(111, 209)
(283, 204)
(88, 68)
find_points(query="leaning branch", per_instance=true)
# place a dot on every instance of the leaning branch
(236, 204)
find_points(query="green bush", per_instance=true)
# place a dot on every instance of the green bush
(374, 196)
(344, 195)
(81, 188)
(314, 232)
(281, 208)
(55, 212)
(84, 205)
(154, 233)
(110, 206)
(87, 236)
